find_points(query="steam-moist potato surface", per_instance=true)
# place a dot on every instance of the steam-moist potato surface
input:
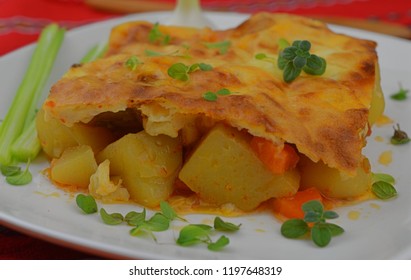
(326, 117)
(224, 169)
(148, 165)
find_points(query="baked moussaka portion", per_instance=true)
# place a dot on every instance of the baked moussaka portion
(214, 113)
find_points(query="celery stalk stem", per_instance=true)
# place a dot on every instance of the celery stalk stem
(21, 111)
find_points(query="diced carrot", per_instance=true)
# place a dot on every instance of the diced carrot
(290, 207)
(277, 159)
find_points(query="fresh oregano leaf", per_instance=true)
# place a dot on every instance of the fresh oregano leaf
(260, 56)
(334, 229)
(158, 222)
(155, 35)
(330, 215)
(400, 95)
(193, 234)
(169, 212)
(221, 225)
(314, 70)
(86, 203)
(222, 46)
(299, 62)
(205, 67)
(132, 62)
(383, 190)
(134, 218)
(10, 170)
(303, 45)
(210, 96)
(223, 91)
(321, 234)
(222, 242)
(289, 53)
(383, 177)
(312, 217)
(178, 71)
(294, 228)
(314, 62)
(111, 219)
(313, 206)
(290, 72)
(20, 179)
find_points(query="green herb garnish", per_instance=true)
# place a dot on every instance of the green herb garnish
(400, 95)
(169, 212)
(111, 219)
(321, 231)
(222, 242)
(134, 218)
(155, 35)
(158, 222)
(222, 46)
(213, 96)
(180, 71)
(223, 91)
(383, 177)
(161, 221)
(383, 190)
(297, 58)
(210, 96)
(383, 186)
(194, 234)
(221, 225)
(15, 176)
(86, 203)
(200, 233)
(400, 137)
(10, 170)
(132, 62)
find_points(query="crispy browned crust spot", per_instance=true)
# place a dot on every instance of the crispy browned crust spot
(324, 116)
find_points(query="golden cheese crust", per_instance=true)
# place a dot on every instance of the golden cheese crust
(326, 117)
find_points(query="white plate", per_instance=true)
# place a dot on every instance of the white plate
(382, 230)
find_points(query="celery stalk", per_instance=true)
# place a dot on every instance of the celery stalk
(21, 112)
(27, 146)
(53, 35)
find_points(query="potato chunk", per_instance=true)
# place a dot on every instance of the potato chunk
(74, 167)
(224, 169)
(148, 165)
(331, 182)
(96, 137)
(54, 136)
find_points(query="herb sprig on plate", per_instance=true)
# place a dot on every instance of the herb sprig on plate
(190, 234)
(314, 222)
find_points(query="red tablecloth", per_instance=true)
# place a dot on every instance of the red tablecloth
(22, 20)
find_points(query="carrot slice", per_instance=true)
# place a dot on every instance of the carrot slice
(290, 207)
(277, 159)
